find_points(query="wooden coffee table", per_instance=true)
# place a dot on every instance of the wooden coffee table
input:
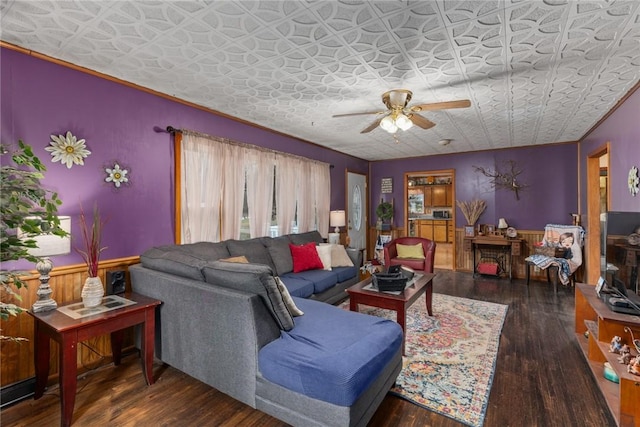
(390, 301)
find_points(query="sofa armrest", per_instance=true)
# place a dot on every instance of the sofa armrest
(194, 325)
(356, 256)
(390, 251)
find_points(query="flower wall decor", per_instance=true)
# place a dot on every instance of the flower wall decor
(634, 181)
(117, 175)
(68, 150)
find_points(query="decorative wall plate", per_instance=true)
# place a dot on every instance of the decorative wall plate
(512, 232)
(116, 175)
(634, 181)
(68, 150)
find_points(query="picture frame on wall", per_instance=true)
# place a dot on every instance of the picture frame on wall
(469, 231)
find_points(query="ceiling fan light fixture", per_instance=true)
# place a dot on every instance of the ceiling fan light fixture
(388, 124)
(398, 98)
(403, 122)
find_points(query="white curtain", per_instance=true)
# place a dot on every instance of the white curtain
(233, 191)
(260, 171)
(322, 183)
(201, 180)
(305, 197)
(215, 173)
(286, 181)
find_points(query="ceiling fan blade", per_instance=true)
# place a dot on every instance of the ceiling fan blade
(360, 114)
(372, 126)
(463, 103)
(420, 121)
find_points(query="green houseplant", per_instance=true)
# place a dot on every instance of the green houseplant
(25, 205)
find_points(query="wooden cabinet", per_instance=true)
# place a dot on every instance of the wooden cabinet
(593, 318)
(425, 229)
(436, 230)
(440, 231)
(437, 196)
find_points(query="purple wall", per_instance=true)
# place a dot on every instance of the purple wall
(622, 130)
(548, 171)
(40, 98)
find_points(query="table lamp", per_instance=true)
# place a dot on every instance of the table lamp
(49, 245)
(502, 225)
(337, 219)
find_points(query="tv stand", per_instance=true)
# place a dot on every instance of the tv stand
(593, 316)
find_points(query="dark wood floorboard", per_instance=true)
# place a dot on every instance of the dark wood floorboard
(541, 378)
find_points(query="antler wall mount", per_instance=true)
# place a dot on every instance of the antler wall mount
(507, 180)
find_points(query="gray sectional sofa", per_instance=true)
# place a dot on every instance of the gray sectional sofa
(231, 326)
(322, 285)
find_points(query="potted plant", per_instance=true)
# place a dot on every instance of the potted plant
(385, 215)
(92, 291)
(24, 205)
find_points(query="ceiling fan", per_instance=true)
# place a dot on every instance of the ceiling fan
(399, 116)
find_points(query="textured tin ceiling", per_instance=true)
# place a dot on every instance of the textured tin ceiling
(536, 72)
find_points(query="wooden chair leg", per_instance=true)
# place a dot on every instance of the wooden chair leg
(556, 277)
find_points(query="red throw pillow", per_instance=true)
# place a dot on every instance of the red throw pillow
(305, 257)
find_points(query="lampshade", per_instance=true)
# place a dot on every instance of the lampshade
(337, 219)
(388, 124)
(403, 122)
(50, 244)
(502, 223)
(394, 121)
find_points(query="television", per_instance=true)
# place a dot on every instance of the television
(620, 254)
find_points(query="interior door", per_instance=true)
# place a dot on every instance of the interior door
(356, 205)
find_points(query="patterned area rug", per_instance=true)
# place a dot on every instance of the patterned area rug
(450, 358)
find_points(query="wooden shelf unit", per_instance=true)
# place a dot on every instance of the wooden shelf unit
(593, 315)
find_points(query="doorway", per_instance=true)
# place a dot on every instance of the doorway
(597, 203)
(430, 211)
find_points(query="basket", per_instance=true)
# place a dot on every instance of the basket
(550, 251)
(488, 268)
(385, 282)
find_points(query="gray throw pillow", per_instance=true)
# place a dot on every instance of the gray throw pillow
(278, 248)
(254, 249)
(291, 305)
(308, 237)
(252, 278)
(170, 259)
(209, 251)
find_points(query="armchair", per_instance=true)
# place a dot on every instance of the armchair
(424, 264)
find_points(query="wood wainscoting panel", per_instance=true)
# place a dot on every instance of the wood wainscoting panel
(66, 284)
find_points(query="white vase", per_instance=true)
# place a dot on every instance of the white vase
(92, 292)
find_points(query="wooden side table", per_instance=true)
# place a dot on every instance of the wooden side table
(68, 332)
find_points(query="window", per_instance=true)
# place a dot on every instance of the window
(223, 193)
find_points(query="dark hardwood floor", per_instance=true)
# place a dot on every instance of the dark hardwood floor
(541, 377)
